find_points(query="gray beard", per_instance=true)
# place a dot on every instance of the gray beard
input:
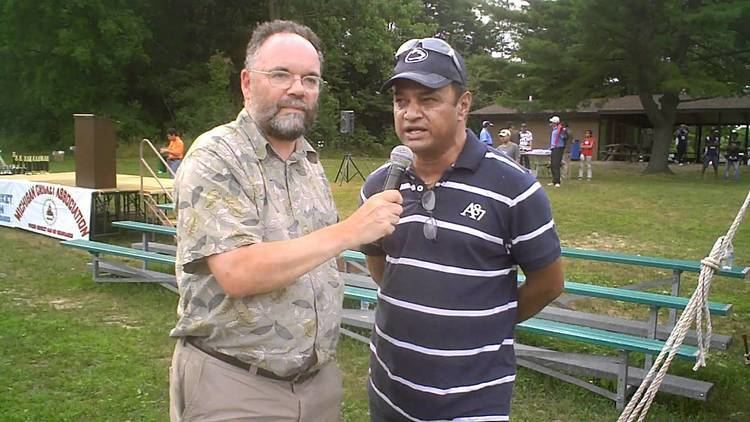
(287, 127)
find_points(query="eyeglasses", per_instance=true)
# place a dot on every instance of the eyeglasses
(430, 227)
(433, 44)
(284, 80)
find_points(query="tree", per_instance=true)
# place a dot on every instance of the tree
(460, 23)
(490, 79)
(152, 64)
(64, 57)
(194, 44)
(666, 52)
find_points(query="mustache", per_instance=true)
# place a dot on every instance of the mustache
(292, 103)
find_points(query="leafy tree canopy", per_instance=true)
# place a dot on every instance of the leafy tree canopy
(152, 64)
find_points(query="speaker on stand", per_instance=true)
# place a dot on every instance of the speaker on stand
(346, 127)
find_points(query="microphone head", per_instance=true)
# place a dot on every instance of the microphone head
(402, 156)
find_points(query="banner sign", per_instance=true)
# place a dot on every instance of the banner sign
(7, 203)
(58, 211)
(6, 207)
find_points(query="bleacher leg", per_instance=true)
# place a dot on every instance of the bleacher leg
(95, 267)
(653, 324)
(675, 292)
(144, 243)
(622, 380)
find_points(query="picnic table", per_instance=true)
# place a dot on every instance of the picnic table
(538, 161)
(620, 152)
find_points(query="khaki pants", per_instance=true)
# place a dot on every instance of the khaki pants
(203, 388)
(585, 162)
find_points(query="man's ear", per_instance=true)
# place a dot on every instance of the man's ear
(464, 105)
(245, 84)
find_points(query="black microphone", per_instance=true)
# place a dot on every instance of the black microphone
(401, 158)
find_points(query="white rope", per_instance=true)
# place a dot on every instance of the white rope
(696, 310)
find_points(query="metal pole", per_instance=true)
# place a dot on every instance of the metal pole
(675, 292)
(622, 380)
(653, 324)
(747, 138)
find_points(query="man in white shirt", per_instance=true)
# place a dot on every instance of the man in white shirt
(526, 140)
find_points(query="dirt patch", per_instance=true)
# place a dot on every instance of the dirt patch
(121, 322)
(63, 304)
(18, 297)
(23, 301)
(598, 241)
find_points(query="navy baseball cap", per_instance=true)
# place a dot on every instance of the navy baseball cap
(431, 62)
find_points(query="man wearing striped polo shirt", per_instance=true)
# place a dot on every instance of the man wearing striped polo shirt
(442, 345)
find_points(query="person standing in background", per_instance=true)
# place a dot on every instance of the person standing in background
(557, 148)
(525, 143)
(515, 136)
(587, 152)
(486, 135)
(711, 152)
(504, 144)
(681, 139)
(733, 157)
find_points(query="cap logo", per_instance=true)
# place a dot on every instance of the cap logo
(416, 55)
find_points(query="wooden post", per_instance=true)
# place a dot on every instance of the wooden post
(698, 136)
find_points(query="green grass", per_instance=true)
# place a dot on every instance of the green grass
(71, 350)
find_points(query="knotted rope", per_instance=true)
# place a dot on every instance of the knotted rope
(696, 310)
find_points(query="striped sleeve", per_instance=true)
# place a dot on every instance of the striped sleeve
(534, 243)
(369, 188)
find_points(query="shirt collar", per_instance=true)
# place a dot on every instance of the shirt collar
(472, 153)
(260, 144)
(303, 149)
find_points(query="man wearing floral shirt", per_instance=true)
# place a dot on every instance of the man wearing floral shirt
(257, 238)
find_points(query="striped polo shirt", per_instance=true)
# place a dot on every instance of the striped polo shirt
(442, 345)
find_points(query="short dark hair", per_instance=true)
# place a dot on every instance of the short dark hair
(267, 29)
(458, 90)
(172, 131)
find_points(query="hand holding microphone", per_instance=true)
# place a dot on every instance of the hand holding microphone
(379, 215)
